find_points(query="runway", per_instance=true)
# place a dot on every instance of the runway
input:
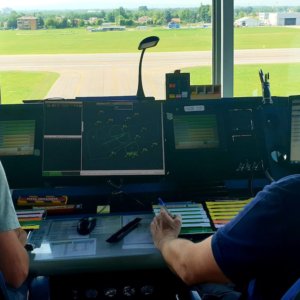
(116, 74)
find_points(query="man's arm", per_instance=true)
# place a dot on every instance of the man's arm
(14, 261)
(192, 262)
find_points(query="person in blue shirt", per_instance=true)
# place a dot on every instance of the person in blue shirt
(14, 261)
(258, 251)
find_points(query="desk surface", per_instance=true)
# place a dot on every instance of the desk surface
(59, 249)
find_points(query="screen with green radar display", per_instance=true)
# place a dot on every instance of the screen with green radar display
(103, 138)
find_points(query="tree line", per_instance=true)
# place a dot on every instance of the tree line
(127, 17)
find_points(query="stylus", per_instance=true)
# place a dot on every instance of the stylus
(163, 204)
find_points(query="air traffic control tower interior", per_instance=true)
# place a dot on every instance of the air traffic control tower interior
(109, 161)
(113, 159)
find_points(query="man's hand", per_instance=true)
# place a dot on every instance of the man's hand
(164, 228)
(22, 235)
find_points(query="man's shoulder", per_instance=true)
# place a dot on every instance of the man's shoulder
(290, 178)
(291, 182)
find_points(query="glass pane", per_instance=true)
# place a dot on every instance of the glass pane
(267, 38)
(51, 49)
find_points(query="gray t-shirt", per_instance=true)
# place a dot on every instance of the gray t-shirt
(8, 217)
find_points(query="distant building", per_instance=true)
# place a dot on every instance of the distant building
(264, 18)
(106, 28)
(176, 20)
(247, 22)
(284, 19)
(113, 28)
(27, 23)
(93, 20)
(144, 20)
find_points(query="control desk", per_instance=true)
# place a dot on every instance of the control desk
(59, 248)
(89, 267)
(123, 154)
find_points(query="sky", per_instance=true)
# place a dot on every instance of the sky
(130, 4)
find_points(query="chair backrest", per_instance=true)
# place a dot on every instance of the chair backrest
(194, 295)
(293, 293)
(3, 288)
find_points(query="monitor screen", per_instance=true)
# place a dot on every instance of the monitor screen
(196, 131)
(103, 138)
(17, 137)
(295, 132)
(122, 138)
(62, 138)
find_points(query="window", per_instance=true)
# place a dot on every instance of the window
(266, 37)
(93, 49)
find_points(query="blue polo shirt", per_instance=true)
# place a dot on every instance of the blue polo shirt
(262, 243)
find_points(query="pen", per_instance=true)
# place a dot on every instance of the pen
(162, 204)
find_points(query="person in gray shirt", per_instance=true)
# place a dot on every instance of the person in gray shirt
(14, 260)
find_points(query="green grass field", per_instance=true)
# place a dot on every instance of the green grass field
(17, 86)
(82, 41)
(284, 79)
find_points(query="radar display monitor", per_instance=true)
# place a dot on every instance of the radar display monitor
(198, 131)
(295, 132)
(122, 138)
(17, 137)
(105, 138)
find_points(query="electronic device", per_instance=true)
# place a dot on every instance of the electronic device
(88, 141)
(104, 138)
(18, 130)
(177, 86)
(196, 148)
(17, 137)
(20, 143)
(86, 225)
(196, 131)
(295, 132)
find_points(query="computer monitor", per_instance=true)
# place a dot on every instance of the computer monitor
(62, 138)
(196, 131)
(122, 138)
(17, 137)
(103, 138)
(21, 144)
(196, 149)
(295, 132)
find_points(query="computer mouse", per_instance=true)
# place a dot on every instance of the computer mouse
(86, 225)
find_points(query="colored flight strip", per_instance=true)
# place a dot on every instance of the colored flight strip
(222, 211)
(194, 217)
(41, 200)
(31, 218)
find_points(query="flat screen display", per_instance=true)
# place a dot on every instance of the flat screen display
(103, 138)
(195, 131)
(122, 138)
(17, 137)
(295, 132)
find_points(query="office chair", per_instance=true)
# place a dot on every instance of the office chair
(3, 289)
(293, 293)
(38, 288)
(194, 295)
